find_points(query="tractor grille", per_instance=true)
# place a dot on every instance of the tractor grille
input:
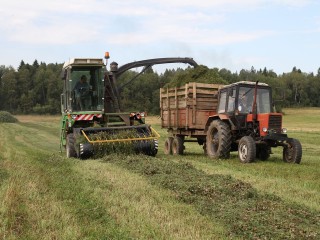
(275, 122)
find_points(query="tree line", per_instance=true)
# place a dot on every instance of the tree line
(36, 88)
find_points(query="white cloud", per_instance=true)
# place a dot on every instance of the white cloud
(46, 22)
(77, 21)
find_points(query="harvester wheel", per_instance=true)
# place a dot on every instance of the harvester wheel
(149, 147)
(71, 151)
(154, 148)
(263, 152)
(177, 145)
(168, 146)
(86, 150)
(218, 140)
(247, 149)
(293, 152)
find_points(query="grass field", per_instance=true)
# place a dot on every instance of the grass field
(47, 196)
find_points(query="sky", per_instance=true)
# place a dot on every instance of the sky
(231, 34)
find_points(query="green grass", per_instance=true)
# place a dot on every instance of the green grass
(292, 182)
(244, 211)
(44, 195)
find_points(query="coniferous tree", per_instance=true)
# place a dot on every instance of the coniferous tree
(36, 88)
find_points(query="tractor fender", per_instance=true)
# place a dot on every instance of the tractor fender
(222, 117)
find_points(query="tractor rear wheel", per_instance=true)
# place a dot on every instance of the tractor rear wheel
(70, 149)
(168, 146)
(218, 140)
(293, 152)
(177, 145)
(247, 149)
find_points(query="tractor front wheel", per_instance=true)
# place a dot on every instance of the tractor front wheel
(218, 140)
(292, 153)
(70, 149)
(247, 149)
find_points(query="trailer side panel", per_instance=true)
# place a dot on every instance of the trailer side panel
(189, 106)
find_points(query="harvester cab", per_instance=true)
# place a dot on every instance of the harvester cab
(83, 85)
(246, 123)
(92, 122)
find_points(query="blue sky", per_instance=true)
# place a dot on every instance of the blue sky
(231, 34)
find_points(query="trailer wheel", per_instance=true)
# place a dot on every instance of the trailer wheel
(70, 150)
(205, 149)
(168, 146)
(177, 145)
(293, 152)
(218, 140)
(247, 149)
(263, 152)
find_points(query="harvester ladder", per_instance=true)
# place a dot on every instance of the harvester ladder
(62, 133)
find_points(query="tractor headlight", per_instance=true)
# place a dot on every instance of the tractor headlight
(264, 129)
(284, 130)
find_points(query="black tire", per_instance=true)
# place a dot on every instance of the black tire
(293, 152)
(247, 149)
(177, 145)
(218, 140)
(168, 146)
(262, 152)
(85, 150)
(154, 148)
(70, 149)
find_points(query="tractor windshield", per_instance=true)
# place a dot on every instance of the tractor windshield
(87, 91)
(246, 98)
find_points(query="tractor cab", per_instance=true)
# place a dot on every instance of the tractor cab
(83, 88)
(238, 99)
(248, 108)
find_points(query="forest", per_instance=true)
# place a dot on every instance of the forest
(36, 88)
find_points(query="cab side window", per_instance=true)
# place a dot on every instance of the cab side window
(231, 100)
(222, 102)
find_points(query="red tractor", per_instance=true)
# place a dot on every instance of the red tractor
(224, 118)
(245, 122)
